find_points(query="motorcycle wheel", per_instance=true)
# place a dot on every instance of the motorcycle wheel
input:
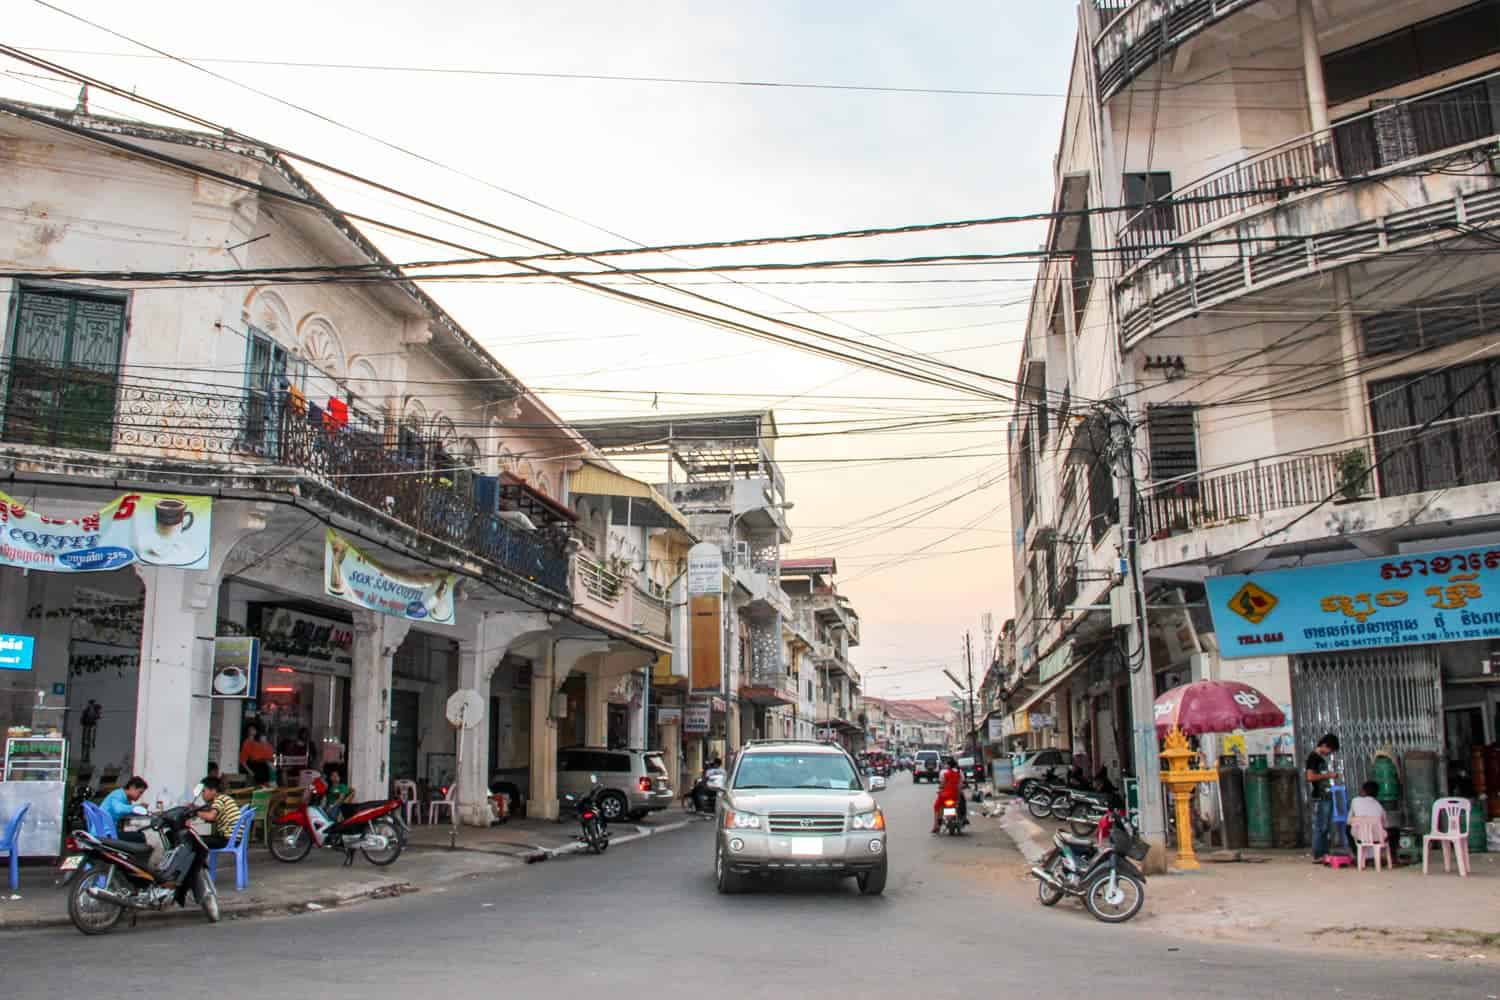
(289, 842)
(1039, 805)
(90, 915)
(1046, 894)
(392, 849)
(1128, 897)
(594, 837)
(208, 897)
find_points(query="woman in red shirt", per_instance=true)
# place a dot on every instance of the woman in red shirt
(951, 787)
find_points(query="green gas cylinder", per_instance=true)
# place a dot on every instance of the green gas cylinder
(1258, 803)
(1477, 839)
(1384, 773)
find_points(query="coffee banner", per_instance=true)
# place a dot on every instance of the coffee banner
(158, 529)
(352, 576)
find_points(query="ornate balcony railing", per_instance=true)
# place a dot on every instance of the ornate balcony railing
(1136, 34)
(160, 418)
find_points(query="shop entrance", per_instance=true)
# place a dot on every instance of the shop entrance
(405, 712)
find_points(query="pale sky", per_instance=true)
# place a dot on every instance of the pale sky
(665, 163)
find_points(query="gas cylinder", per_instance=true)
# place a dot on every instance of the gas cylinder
(1286, 809)
(1421, 788)
(1232, 794)
(1258, 802)
(1384, 773)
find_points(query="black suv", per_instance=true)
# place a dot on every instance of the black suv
(926, 766)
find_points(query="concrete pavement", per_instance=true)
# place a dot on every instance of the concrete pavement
(956, 921)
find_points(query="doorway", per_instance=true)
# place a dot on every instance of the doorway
(405, 709)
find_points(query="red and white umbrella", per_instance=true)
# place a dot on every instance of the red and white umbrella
(1215, 707)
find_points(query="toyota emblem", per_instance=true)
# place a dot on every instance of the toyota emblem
(806, 823)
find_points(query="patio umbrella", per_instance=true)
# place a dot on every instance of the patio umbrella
(1215, 707)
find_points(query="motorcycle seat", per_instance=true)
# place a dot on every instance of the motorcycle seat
(128, 846)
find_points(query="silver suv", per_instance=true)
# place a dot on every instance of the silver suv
(637, 779)
(799, 807)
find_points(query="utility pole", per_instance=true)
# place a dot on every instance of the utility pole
(1132, 619)
(972, 741)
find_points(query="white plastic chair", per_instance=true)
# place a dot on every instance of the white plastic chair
(1370, 837)
(307, 777)
(406, 792)
(1450, 827)
(446, 802)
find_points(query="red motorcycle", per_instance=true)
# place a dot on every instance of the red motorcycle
(375, 829)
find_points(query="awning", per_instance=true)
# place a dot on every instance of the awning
(1056, 681)
(644, 506)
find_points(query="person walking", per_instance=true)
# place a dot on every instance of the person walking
(1319, 778)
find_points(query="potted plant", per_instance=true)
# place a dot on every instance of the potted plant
(1354, 470)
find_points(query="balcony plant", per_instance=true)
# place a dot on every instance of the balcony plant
(1354, 472)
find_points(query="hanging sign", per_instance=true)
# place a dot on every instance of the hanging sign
(15, 652)
(236, 667)
(705, 569)
(157, 529)
(1403, 600)
(352, 576)
(696, 717)
(996, 730)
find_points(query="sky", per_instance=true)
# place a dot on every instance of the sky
(918, 520)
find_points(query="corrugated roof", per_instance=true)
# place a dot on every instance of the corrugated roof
(595, 480)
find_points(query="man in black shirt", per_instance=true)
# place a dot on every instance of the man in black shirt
(1319, 777)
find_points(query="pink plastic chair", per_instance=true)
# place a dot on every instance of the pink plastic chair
(1450, 827)
(406, 791)
(1369, 836)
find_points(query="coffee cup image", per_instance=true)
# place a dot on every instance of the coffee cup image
(230, 680)
(170, 541)
(439, 603)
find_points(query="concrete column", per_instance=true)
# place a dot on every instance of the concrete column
(671, 753)
(640, 715)
(596, 707)
(177, 651)
(1312, 67)
(376, 639)
(479, 655)
(547, 678)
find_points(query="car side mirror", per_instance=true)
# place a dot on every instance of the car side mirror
(716, 782)
(877, 783)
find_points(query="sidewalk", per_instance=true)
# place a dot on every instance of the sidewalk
(1279, 898)
(320, 880)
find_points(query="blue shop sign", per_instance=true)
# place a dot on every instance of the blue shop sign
(1403, 600)
(15, 652)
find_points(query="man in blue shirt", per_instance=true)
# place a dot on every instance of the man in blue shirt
(121, 802)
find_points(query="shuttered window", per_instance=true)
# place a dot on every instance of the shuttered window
(64, 370)
(1145, 189)
(1460, 448)
(1413, 52)
(1173, 434)
(1431, 323)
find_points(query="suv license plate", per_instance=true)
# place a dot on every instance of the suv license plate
(950, 812)
(70, 863)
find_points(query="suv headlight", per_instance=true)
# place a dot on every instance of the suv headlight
(869, 821)
(741, 820)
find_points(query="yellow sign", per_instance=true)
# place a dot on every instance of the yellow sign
(1252, 603)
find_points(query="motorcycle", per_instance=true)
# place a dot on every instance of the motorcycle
(703, 798)
(594, 828)
(953, 822)
(1101, 871)
(375, 829)
(1041, 793)
(111, 876)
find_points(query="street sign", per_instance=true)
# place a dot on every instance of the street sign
(705, 570)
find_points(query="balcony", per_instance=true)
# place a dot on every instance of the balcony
(1239, 494)
(157, 421)
(1136, 33)
(1406, 175)
(652, 616)
(603, 593)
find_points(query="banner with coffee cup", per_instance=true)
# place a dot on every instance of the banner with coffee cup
(352, 576)
(158, 529)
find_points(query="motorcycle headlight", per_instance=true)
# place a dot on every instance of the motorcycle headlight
(870, 821)
(741, 820)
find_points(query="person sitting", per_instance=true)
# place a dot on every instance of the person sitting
(213, 772)
(122, 802)
(338, 791)
(950, 786)
(224, 813)
(1365, 804)
(255, 750)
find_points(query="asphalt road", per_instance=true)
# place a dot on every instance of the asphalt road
(644, 920)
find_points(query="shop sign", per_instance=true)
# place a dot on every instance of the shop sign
(352, 576)
(1020, 724)
(1404, 600)
(236, 667)
(668, 716)
(1040, 720)
(153, 528)
(695, 718)
(705, 569)
(15, 652)
(288, 633)
(996, 730)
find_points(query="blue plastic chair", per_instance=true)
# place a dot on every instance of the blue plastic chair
(11, 845)
(1340, 818)
(239, 846)
(100, 823)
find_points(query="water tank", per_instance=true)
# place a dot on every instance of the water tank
(1232, 793)
(1286, 807)
(1258, 805)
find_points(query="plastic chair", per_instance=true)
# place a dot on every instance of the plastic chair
(406, 792)
(1339, 820)
(446, 802)
(307, 777)
(1450, 827)
(238, 845)
(11, 845)
(260, 807)
(100, 823)
(1370, 837)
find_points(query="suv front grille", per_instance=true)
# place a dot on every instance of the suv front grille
(813, 824)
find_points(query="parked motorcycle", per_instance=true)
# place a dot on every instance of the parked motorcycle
(594, 828)
(1101, 871)
(375, 829)
(953, 823)
(108, 876)
(1041, 793)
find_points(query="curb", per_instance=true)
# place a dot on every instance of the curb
(642, 832)
(1030, 839)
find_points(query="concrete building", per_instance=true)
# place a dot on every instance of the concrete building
(1267, 318)
(829, 618)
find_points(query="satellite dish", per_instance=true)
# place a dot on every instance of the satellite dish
(465, 708)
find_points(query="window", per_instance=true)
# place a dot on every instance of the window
(1174, 447)
(1150, 189)
(1454, 452)
(1083, 270)
(64, 369)
(266, 379)
(1413, 52)
(1028, 490)
(1400, 131)
(411, 443)
(1431, 323)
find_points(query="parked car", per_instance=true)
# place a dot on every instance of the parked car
(799, 807)
(926, 766)
(1030, 765)
(635, 781)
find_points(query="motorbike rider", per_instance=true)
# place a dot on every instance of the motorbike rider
(703, 795)
(950, 786)
(223, 812)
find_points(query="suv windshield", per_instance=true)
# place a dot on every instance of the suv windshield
(796, 770)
